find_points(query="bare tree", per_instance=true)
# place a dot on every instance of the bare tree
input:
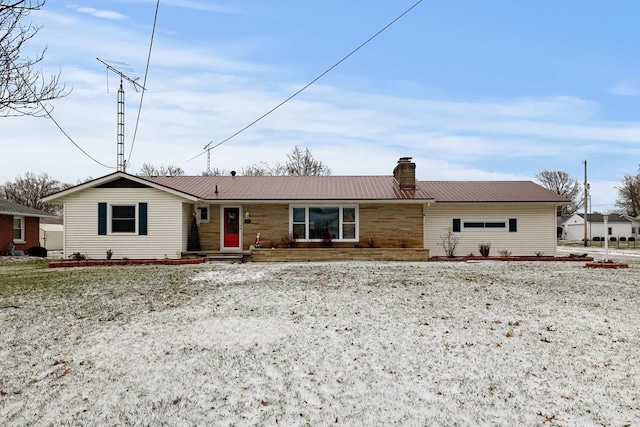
(23, 89)
(449, 242)
(303, 164)
(263, 169)
(148, 169)
(299, 163)
(214, 172)
(629, 194)
(560, 182)
(28, 190)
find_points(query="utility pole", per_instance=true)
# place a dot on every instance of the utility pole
(586, 203)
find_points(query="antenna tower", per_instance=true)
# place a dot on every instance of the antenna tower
(120, 116)
(208, 148)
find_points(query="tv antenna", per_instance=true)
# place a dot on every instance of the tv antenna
(209, 148)
(120, 117)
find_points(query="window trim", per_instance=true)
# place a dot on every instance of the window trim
(22, 228)
(136, 219)
(341, 221)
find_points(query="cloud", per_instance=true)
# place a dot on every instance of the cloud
(104, 14)
(625, 89)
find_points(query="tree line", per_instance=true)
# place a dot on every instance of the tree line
(30, 188)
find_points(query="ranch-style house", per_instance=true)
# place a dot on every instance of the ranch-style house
(174, 216)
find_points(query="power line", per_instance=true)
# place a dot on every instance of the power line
(209, 147)
(48, 113)
(144, 82)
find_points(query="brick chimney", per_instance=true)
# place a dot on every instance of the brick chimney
(405, 173)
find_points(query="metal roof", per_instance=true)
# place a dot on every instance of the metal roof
(292, 187)
(355, 188)
(490, 191)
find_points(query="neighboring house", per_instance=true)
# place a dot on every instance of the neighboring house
(150, 217)
(51, 233)
(617, 226)
(19, 227)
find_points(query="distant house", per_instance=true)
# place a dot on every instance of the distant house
(19, 227)
(151, 217)
(51, 233)
(618, 225)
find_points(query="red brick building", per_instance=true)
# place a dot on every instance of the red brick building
(19, 227)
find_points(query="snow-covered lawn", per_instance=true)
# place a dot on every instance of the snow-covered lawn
(364, 344)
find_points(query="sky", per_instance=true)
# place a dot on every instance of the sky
(491, 90)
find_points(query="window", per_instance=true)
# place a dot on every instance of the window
(122, 219)
(203, 213)
(18, 228)
(485, 224)
(317, 223)
(459, 225)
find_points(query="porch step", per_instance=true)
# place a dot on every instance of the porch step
(224, 257)
(216, 256)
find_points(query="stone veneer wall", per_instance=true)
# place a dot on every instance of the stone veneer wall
(390, 225)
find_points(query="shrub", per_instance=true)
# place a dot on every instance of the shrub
(327, 240)
(596, 239)
(612, 239)
(77, 256)
(505, 253)
(38, 251)
(623, 239)
(289, 241)
(109, 253)
(632, 239)
(484, 249)
(449, 242)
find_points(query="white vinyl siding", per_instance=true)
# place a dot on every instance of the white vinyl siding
(536, 228)
(165, 235)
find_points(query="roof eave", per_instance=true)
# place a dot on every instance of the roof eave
(111, 177)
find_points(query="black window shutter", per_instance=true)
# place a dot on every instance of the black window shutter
(456, 225)
(142, 219)
(102, 219)
(513, 225)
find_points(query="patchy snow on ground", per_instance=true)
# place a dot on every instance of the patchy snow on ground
(351, 343)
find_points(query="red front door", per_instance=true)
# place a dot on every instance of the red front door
(231, 218)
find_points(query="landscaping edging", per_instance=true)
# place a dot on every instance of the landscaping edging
(512, 258)
(602, 264)
(337, 254)
(100, 262)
